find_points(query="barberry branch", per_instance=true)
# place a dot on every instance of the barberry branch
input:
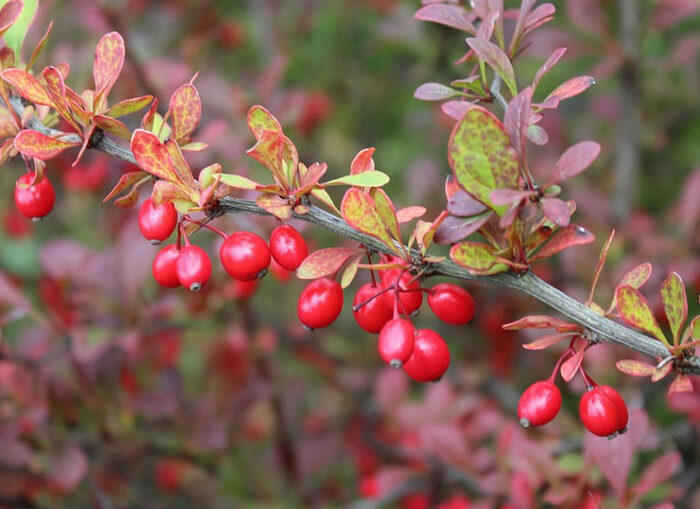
(598, 327)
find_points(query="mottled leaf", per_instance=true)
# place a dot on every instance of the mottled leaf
(324, 262)
(183, 170)
(572, 162)
(497, 59)
(151, 155)
(35, 144)
(695, 328)
(536, 322)
(109, 60)
(450, 15)
(425, 232)
(675, 303)
(165, 191)
(275, 205)
(546, 341)
(362, 161)
(259, 120)
(185, 111)
(635, 368)
(359, 211)
(129, 106)
(473, 256)
(556, 210)
(27, 86)
(277, 153)
(634, 309)
(661, 373)
(634, 278)
(364, 179)
(56, 89)
(572, 235)
(387, 212)
(435, 92)
(481, 157)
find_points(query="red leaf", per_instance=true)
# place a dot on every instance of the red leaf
(570, 89)
(362, 161)
(516, 119)
(556, 211)
(185, 110)
(570, 366)
(572, 162)
(56, 89)
(112, 126)
(109, 59)
(35, 144)
(660, 470)
(635, 368)
(407, 214)
(447, 14)
(151, 155)
(126, 180)
(456, 109)
(546, 341)
(324, 262)
(563, 238)
(548, 64)
(536, 322)
(27, 86)
(541, 15)
(681, 384)
(496, 58)
(9, 13)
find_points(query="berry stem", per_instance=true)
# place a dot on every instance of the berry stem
(559, 362)
(205, 225)
(590, 384)
(364, 303)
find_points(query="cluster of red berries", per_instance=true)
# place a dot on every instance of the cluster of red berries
(602, 410)
(385, 308)
(245, 256)
(34, 199)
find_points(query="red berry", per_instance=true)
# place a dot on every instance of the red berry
(369, 487)
(243, 290)
(375, 313)
(165, 267)
(283, 275)
(157, 223)
(599, 413)
(320, 303)
(288, 247)
(622, 413)
(245, 256)
(455, 502)
(396, 342)
(451, 303)
(539, 404)
(430, 358)
(410, 296)
(193, 267)
(34, 200)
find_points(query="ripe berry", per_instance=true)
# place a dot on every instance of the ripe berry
(622, 413)
(34, 201)
(288, 247)
(281, 274)
(599, 413)
(410, 296)
(245, 256)
(375, 313)
(396, 342)
(451, 303)
(193, 267)
(157, 223)
(320, 303)
(430, 358)
(539, 404)
(165, 267)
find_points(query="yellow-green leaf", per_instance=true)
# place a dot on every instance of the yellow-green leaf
(476, 257)
(359, 211)
(635, 368)
(635, 310)
(675, 303)
(238, 181)
(365, 179)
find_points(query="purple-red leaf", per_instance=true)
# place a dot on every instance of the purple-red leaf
(572, 235)
(516, 120)
(324, 262)
(660, 470)
(572, 162)
(450, 15)
(549, 63)
(497, 59)
(454, 229)
(556, 210)
(434, 92)
(456, 109)
(570, 89)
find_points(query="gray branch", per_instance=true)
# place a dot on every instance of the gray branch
(598, 327)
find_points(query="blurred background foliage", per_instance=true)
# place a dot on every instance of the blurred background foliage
(136, 396)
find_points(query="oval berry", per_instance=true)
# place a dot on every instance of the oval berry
(245, 256)
(410, 296)
(396, 342)
(539, 404)
(157, 223)
(34, 201)
(598, 413)
(288, 247)
(372, 316)
(165, 267)
(451, 303)
(622, 413)
(193, 267)
(430, 358)
(320, 303)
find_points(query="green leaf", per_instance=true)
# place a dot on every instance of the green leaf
(14, 37)
(325, 198)
(695, 328)
(481, 157)
(675, 303)
(365, 179)
(635, 310)
(238, 182)
(385, 208)
(350, 271)
(476, 257)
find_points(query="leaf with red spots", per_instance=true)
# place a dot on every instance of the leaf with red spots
(129, 106)
(362, 161)
(185, 111)
(450, 15)
(675, 303)
(572, 235)
(481, 157)
(276, 152)
(572, 162)
(260, 120)
(109, 60)
(536, 322)
(359, 211)
(635, 368)
(35, 144)
(152, 156)
(476, 257)
(56, 89)
(634, 278)
(27, 86)
(325, 262)
(497, 59)
(634, 309)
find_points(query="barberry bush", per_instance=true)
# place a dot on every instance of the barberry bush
(286, 254)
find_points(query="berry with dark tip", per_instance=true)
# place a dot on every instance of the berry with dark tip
(193, 267)
(539, 404)
(245, 256)
(396, 342)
